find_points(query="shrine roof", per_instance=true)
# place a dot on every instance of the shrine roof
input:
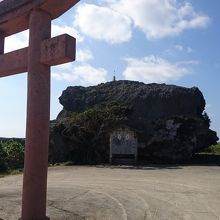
(14, 14)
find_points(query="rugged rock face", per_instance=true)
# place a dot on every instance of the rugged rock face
(169, 121)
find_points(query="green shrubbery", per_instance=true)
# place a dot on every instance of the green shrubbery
(85, 134)
(11, 155)
(215, 149)
(3, 164)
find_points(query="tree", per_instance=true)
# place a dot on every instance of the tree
(3, 164)
(13, 154)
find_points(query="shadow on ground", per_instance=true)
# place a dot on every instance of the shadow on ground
(205, 159)
(200, 159)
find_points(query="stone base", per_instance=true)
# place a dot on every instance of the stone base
(46, 218)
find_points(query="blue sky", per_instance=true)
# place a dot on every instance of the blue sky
(163, 41)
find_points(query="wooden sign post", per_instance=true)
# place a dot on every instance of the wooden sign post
(42, 53)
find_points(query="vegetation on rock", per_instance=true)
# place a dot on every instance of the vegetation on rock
(214, 149)
(84, 131)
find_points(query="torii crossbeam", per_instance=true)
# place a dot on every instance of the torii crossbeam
(42, 52)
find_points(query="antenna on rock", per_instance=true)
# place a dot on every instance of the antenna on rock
(114, 77)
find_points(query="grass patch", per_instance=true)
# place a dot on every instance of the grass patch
(11, 172)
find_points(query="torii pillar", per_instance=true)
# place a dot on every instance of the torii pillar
(42, 53)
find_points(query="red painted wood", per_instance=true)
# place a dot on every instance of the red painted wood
(58, 50)
(54, 51)
(38, 116)
(14, 14)
(14, 62)
(2, 43)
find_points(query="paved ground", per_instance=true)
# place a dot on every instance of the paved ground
(123, 193)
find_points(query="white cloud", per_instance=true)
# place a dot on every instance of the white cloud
(83, 55)
(58, 29)
(16, 41)
(178, 48)
(20, 40)
(183, 49)
(160, 18)
(103, 23)
(153, 69)
(83, 74)
(114, 21)
(188, 62)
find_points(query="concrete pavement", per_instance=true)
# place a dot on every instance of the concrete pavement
(123, 193)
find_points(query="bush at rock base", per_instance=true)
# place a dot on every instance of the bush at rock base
(11, 155)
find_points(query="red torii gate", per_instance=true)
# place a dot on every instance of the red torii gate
(43, 52)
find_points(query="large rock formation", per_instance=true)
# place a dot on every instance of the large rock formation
(169, 121)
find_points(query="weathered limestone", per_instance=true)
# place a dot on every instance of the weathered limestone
(43, 52)
(169, 121)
